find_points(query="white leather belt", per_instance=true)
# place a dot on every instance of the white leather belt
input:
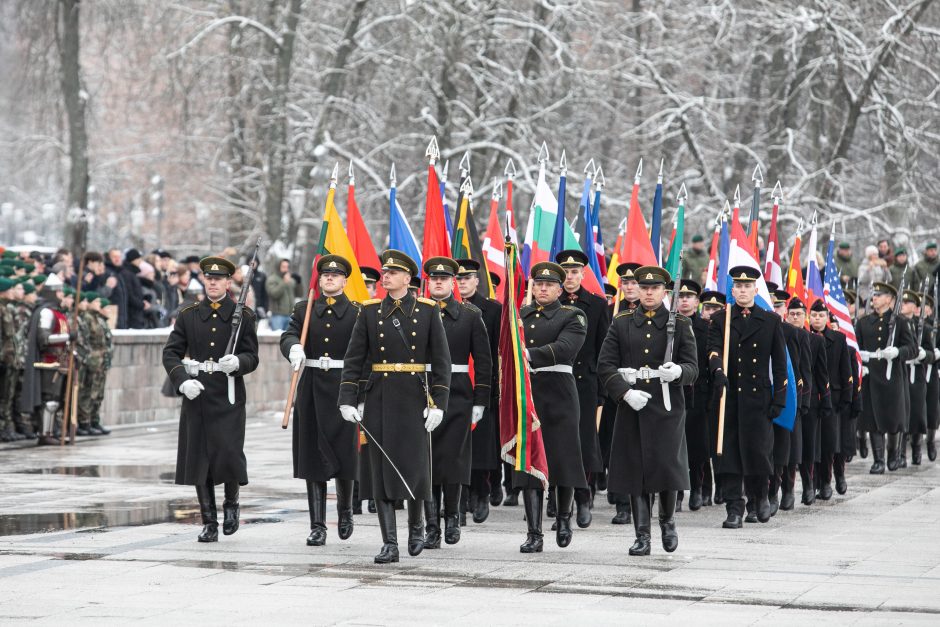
(458, 368)
(559, 368)
(324, 363)
(640, 373)
(193, 367)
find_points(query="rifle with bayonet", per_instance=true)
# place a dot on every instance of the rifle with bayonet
(932, 338)
(671, 329)
(921, 318)
(237, 318)
(893, 323)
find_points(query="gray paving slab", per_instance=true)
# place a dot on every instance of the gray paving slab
(100, 533)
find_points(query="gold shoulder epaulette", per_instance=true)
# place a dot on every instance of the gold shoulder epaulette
(568, 307)
(357, 304)
(426, 301)
(193, 306)
(371, 301)
(621, 314)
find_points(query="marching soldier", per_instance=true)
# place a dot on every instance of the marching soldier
(554, 334)
(697, 396)
(451, 443)
(917, 382)
(485, 488)
(840, 394)
(881, 395)
(212, 429)
(370, 276)
(46, 363)
(324, 445)
(629, 295)
(648, 453)
(93, 352)
(933, 380)
(712, 302)
(590, 390)
(406, 394)
(756, 394)
(850, 414)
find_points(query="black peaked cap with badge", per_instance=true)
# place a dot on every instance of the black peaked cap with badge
(627, 270)
(572, 258)
(467, 266)
(744, 274)
(711, 297)
(370, 275)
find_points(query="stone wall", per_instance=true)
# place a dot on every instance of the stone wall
(132, 395)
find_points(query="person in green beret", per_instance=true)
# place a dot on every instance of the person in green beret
(900, 269)
(8, 303)
(846, 262)
(93, 350)
(927, 266)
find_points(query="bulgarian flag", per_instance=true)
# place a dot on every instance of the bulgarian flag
(333, 241)
(520, 434)
(492, 243)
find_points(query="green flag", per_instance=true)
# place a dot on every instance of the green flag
(672, 261)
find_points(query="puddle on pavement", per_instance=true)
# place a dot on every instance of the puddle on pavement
(163, 473)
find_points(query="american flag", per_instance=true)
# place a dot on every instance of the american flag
(835, 302)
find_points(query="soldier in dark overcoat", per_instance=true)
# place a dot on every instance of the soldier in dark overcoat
(755, 384)
(782, 436)
(590, 391)
(553, 334)
(406, 394)
(486, 467)
(712, 302)
(840, 395)
(881, 396)
(324, 445)
(917, 382)
(697, 396)
(212, 429)
(933, 381)
(648, 452)
(796, 319)
(451, 444)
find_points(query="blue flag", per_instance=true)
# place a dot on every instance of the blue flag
(400, 235)
(657, 223)
(558, 235)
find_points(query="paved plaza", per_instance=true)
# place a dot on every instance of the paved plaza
(98, 533)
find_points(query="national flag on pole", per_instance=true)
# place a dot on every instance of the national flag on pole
(400, 235)
(447, 220)
(466, 242)
(752, 226)
(596, 225)
(333, 241)
(656, 222)
(586, 232)
(510, 216)
(493, 244)
(814, 285)
(637, 247)
(359, 239)
(520, 432)
(436, 240)
(740, 254)
(711, 274)
(558, 234)
(795, 273)
(724, 259)
(772, 268)
(836, 304)
(612, 277)
(675, 249)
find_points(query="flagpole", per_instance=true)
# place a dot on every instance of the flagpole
(542, 159)
(722, 403)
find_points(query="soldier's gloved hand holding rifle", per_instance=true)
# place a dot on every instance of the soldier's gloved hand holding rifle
(890, 353)
(669, 372)
(228, 364)
(297, 357)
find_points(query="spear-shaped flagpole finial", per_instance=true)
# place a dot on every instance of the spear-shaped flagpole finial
(497, 189)
(659, 177)
(639, 172)
(334, 175)
(590, 169)
(466, 188)
(433, 152)
(392, 179)
(510, 170)
(682, 195)
(563, 163)
(777, 194)
(543, 154)
(464, 164)
(737, 196)
(445, 170)
(815, 219)
(726, 210)
(352, 175)
(599, 180)
(757, 176)
(799, 226)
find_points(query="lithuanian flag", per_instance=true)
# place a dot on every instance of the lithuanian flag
(333, 241)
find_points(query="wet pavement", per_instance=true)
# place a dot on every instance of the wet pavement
(98, 533)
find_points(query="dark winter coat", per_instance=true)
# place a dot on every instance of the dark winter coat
(485, 437)
(882, 397)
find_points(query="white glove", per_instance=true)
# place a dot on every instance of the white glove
(362, 409)
(630, 376)
(190, 388)
(434, 418)
(864, 371)
(669, 372)
(936, 354)
(890, 353)
(476, 415)
(192, 367)
(865, 355)
(228, 364)
(637, 399)
(350, 413)
(921, 355)
(297, 357)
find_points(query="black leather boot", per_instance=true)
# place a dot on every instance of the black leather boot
(695, 499)
(931, 445)
(809, 488)
(893, 444)
(787, 483)
(565, 496)
(207, 508)
(878, 452)
(916, 439)
(386, 515)
(357, 502)
(316, 502)
(451, 524)
(432, 515)
(902, 450)
(750, 506)
(862, 444)
(667, 520)
(762, 502)
(641, 524)
(344, 508)
(464, 507)
(583, 499)
(415, 527)
(482, 510)
(773, 490)
(532, 502)
(622, 517)
(680, 496)
(824, 478)
(838, 472)
(230, 509)
(551, 508)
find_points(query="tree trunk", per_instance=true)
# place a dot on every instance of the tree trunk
(67, 38)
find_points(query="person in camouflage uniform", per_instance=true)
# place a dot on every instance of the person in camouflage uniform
(7, 355)
(24, 312)
(93, 353)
